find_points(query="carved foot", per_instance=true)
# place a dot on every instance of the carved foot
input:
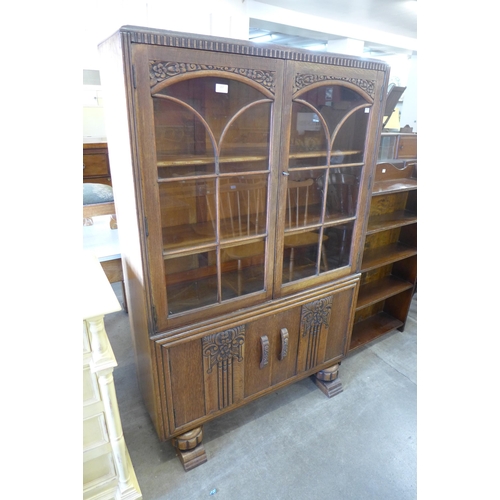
(190, 449)
(327, 380)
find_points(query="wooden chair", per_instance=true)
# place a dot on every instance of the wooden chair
(298, 215)
(342, 195)
(242, 209)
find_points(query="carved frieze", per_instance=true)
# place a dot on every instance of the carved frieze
(304, 80)
(160, 71)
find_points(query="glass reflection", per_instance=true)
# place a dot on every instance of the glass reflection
(191, 281)
(188, 213)
(243, 269)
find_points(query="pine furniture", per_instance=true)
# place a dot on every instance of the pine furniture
(236, 284)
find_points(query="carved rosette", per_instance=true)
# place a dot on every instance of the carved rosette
(220, 349)
(160, 71)
(304, 80)
(315, 316)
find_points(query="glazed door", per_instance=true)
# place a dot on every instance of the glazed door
(327, 157)
(212, 124)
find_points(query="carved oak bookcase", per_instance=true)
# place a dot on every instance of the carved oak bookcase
(240, 176)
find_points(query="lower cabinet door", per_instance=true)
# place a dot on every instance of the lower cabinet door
(325, 325)
(210, 374)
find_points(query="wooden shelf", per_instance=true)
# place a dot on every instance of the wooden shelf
(392, 220)
(185, 160)
(319, 154)
(371, 328)
(393, 186)
(381, 256)
(379, 290)
(188, 160)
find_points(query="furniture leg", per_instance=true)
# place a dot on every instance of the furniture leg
(327, 380)
(190, 449)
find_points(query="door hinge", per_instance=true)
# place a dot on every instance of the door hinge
(154, 317)
(146, 228)
(134, 83)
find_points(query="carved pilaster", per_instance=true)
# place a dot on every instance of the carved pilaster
(222, 351)
(315, 317)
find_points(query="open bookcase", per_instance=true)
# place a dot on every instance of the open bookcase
(389, 264)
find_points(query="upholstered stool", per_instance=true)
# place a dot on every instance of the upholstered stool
(98, 200)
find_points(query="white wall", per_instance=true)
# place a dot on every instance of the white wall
(409, 107)
(225, 18)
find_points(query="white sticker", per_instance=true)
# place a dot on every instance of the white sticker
(222, 88)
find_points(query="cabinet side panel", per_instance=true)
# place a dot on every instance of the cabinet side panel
(115, 75)
(340, 324)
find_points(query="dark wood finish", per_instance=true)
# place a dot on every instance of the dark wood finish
(327, 380)
(397, 146)
(203, 135)
(389, 263)
(190, 449)
(96, 163)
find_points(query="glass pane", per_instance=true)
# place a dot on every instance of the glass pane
(191, 281)
(387, 147)
(243, 203)
(216, 99)
(304, 198)
(300, 255)
(245, 145)
(342, 197)
(187, 213)
(183, 144)
(349, 142)
(243, 269)
(335, 103)
(337, 244)
(308, 139)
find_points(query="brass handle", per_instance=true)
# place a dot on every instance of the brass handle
(284, 343)
(264, 342)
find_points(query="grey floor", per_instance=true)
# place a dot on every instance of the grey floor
(294, 443)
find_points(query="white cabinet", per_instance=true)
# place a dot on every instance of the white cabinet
(107, 469)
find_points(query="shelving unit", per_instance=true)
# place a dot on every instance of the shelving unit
(389, 264)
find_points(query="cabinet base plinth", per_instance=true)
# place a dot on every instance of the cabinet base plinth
(190, 449)
(192, 458)
(329, 388)
(327, 380)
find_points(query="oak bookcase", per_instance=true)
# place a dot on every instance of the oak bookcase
(241, 177)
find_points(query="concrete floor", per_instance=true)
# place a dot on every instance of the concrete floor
(295, 443)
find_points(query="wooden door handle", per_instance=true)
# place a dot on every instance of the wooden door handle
(284, 343)
(264, 342)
